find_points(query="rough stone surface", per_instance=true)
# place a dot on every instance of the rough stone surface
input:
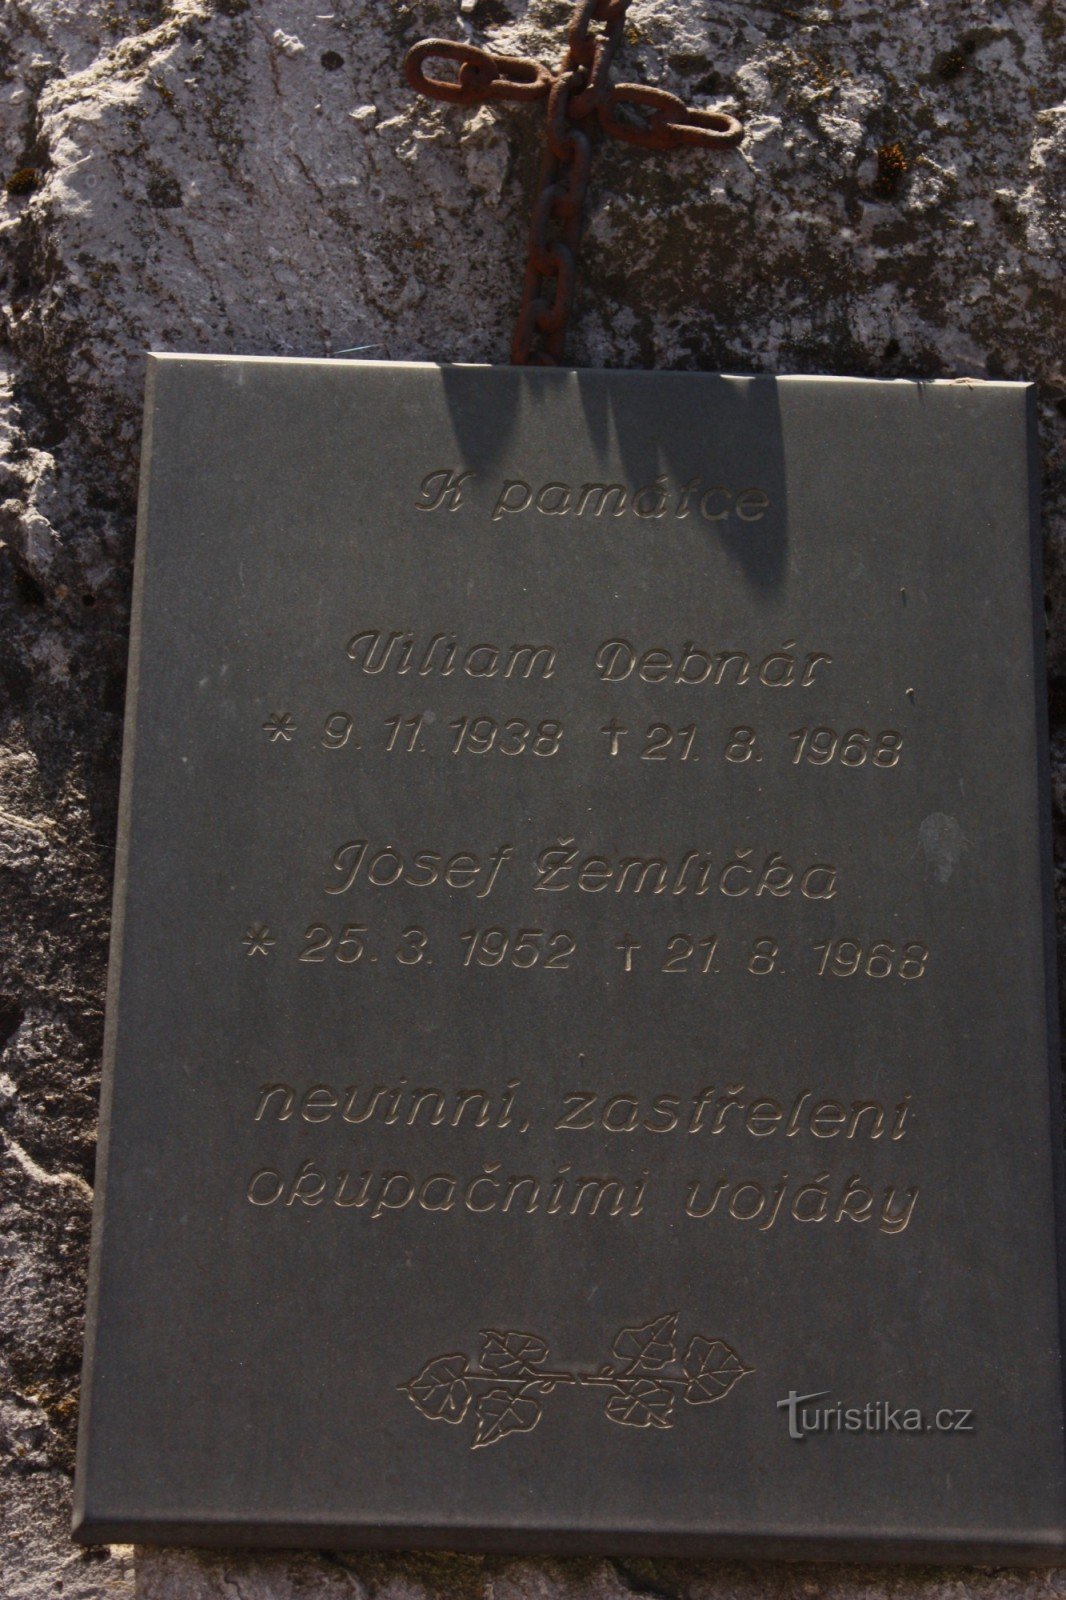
(254, 176)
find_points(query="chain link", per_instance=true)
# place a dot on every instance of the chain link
(581, 100)
(482, 75)
(672, 123)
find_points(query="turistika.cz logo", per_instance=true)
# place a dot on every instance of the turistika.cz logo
(875, 1416)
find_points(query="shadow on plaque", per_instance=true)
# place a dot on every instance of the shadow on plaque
(695, 440)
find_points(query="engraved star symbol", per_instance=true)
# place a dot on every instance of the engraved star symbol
(257, 941)
(279, 726)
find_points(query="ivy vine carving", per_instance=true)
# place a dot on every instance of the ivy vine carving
(507, 1384)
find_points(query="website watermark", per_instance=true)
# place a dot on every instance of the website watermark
(807, 1418)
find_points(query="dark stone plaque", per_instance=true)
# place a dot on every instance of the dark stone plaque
(580, 1023)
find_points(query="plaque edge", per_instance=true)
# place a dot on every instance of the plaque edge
(953, 1547)
(115, 947)
(551, 374)
(1045, 838)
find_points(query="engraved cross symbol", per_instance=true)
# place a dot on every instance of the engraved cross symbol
(581, 98)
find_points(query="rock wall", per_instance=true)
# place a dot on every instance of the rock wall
(254, 176)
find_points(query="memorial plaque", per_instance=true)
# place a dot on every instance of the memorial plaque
(580, 1028)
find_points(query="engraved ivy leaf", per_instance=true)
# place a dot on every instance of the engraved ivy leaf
(499, 1412)
(650, 1348)
(507, 1355)
(712, 1368)
(641, 1403)
(440, 1390)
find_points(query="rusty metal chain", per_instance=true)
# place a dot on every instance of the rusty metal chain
(581, 100)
